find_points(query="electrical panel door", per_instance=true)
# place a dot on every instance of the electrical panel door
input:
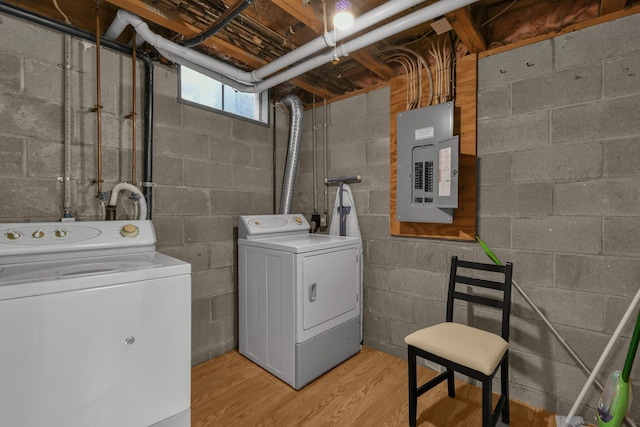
(427, 170)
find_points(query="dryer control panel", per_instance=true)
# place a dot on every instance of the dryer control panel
(261, 226)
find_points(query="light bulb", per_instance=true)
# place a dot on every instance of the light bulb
(343, 19)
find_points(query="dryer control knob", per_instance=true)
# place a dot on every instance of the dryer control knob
(129, 230)
(14, 235)
(297, 220)
(60, 233)
(38, 234)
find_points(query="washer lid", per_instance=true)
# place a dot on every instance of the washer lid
(73, 268)
(38, 278)
(302, 243)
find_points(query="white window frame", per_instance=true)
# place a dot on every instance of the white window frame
(261, 104)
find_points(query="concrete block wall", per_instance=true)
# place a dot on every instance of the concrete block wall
(32, 117)
(558, 155)
(556, 120)
(558, 165)
(208, 168)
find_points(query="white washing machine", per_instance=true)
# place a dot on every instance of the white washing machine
(95, 327)
(299, 297)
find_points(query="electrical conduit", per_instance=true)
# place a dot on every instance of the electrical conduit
(222, 21)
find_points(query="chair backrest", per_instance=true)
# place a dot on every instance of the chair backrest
(501, 299)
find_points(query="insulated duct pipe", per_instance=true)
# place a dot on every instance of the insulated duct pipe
(247, 81)
(294, 104)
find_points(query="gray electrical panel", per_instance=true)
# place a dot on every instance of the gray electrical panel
(427, 170)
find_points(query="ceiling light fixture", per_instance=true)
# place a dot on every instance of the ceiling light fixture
(343, 18)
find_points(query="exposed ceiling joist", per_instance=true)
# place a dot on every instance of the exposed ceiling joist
(462, 23)
(306, 15)
(224, 48)
(302, 12)
(609, 6)
(271, 29)
(154, 15)
(366, 58)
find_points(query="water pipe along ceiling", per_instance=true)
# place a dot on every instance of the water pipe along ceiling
(265, 30)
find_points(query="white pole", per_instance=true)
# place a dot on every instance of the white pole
(602, 359)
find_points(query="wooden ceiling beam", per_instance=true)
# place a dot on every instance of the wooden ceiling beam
(179, 26)
(220, 46)
(366, 58)
(303, 13)
(308, 17)
(462, 23)
(610, 6)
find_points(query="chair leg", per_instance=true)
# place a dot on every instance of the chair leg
(504, 384)
(413, 386)
(451, 384)
(487, 407)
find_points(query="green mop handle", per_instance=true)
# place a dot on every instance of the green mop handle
(633, 347)
(631, 354)
(488, 251)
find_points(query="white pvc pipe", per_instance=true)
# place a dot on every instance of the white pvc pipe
(246, 81)
(132, 188)
(429, 12)
(379, 14)
(330, 38)
(602, 359)
(162, 44)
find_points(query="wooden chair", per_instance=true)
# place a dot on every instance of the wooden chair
(471, 351)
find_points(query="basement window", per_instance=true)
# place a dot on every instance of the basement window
(205, 92)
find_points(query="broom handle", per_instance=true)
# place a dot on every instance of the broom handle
(555, 332)
(633, 348)
(602, 359)
(561, 340)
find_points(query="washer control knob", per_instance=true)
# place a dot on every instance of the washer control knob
(129, 230)
(60, 233)
(297, 220)
(14, 235)
(38, 234)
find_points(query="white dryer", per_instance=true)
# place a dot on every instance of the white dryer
(299, 297)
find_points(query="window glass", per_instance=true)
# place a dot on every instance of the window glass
(203, 90)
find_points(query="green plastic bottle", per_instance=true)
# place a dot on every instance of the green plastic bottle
(616, 396)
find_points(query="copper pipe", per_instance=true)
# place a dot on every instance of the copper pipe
(98, 107)
(133, 111)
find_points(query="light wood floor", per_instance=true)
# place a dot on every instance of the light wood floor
(370, 389)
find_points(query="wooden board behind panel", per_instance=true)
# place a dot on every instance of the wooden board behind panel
(464, 220)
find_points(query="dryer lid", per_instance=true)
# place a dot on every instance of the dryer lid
(302, 243)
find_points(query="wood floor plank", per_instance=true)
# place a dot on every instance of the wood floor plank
(370, 389)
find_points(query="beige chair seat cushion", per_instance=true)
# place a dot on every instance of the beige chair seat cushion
(477, 349)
